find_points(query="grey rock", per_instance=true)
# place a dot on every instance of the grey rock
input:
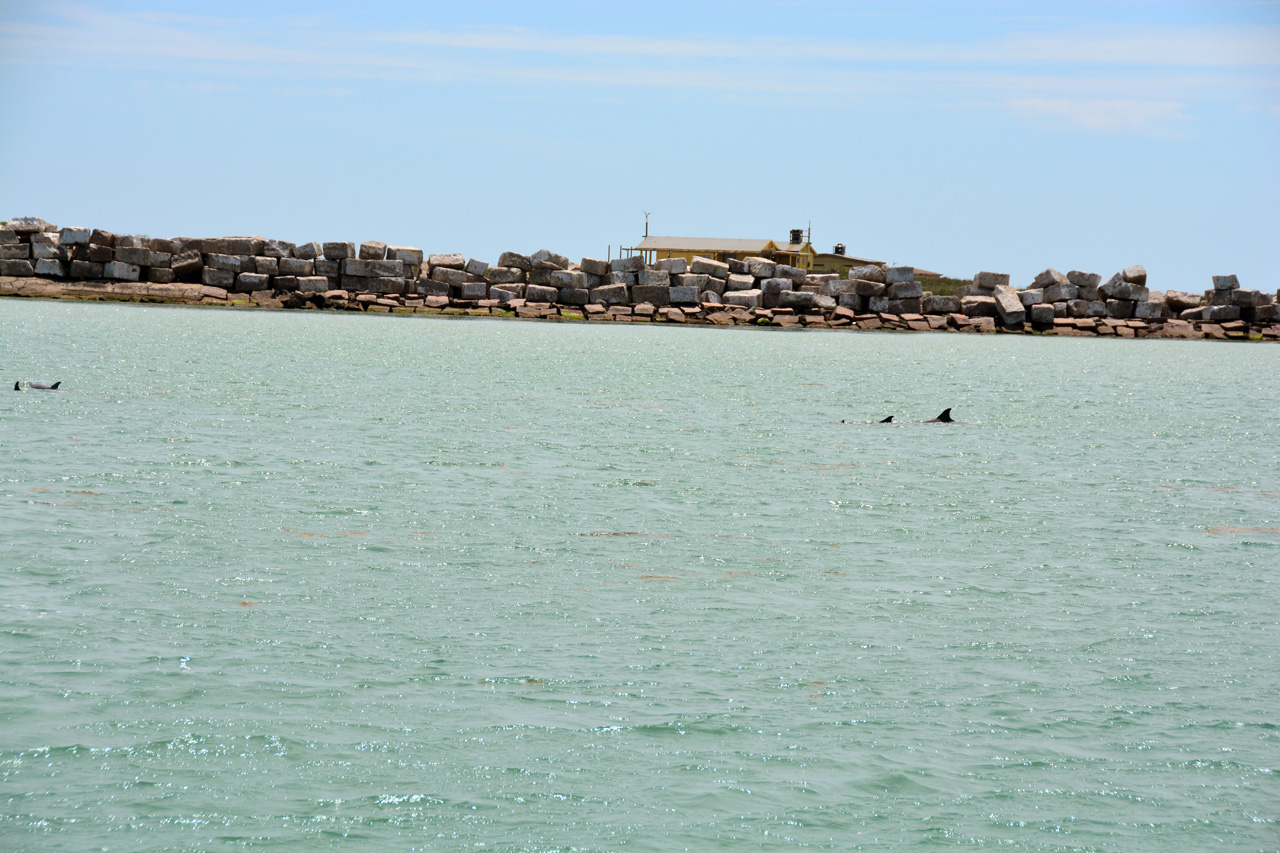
(1250, 298)
(1041, 314)
(734, 281)
(990, 281)
(624, 278)
(339, 251)
(868, 288)
(52, 252)
(1119, 309)
(706, 266)
(1033, 296)
(262, 263)
(655, 277)
(1097, 308)
(594, 266)
(656, 295)
(451, 260)
(308, 251)
(477, 268)
(742, 298)
(1009, 307)
(230, 263)
(295, 266)
(1225, 282)
(11, 252)
(506, 275)
(1060, 292)
(86, 269)
(16, 267)
(515, 259)
(1077, 308)
(29, 225)
(506, 292)
(798, 299)
(186, 262)
(1048, 277)
(539, 293)
(905, 290)
(451, 276)
(940, 305)
(793, 273)
(869, 272)
(122, 271)
(8, 238)
(408, 254)
(633, 264)
(272, 249)
(51, 268)
(248, 282)
(571, 279)
(472, 290)
(373, 250)
(74, 236)
(545, 259)
(1084, 279)
(1136, 274)
(700, 283)
(893, 275)
(683, 294)
(160, 260)
(673, 266)
(1178, 301)
(1154, 310)
(136, 255)
(1221, 313)
(611, 294)
(760, 267)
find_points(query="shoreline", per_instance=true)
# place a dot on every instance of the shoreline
(701, 314)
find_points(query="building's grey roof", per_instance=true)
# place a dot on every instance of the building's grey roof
(703, 244)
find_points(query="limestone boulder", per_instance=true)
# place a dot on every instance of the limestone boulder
(868, 288)
(869, 272)
(505, 275)
(594, 266)
(17, 267)
(611, 294)
(515, 259)
(800, 300)
(673, 266)
(894, 275)
(373, 250)
(707, 266)
(308, 251)
(50, 268)
(338, 251)
(1136, 274)
(683, 294)
(1048, 277)
(122, 271)
(655, 277)
(545, 259)
(1178, 300)
(656, 295)
(1031, 296)
(1009, 307)
(989, 281)
(72, 236)
(540, 293)
(624, 278)
(571, 279)
(1226, 282)
(760, 267)
(791, 273)
(410, 255)
(1060, 292)
(186, 263)
(448, 260)
(633, 264)
(271, 248)
(904, 289)
(940, 305)
(742, 298)
(738, 282)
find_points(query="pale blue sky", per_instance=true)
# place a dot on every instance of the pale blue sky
(1009, 136)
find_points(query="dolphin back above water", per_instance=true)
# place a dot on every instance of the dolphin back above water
(944, 418)
(40, 386)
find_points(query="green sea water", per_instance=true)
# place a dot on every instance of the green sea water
(304, 581)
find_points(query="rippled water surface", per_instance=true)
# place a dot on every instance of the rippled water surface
(320, 581)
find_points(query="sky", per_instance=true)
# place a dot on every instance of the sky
(957, 137)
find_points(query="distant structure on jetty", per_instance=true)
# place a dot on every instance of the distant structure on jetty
(40, 259)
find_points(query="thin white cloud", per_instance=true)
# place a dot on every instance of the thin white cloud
(1104, 115)
(1136, 82)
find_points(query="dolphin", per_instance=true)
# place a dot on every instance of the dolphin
(944, 418)
(887, 420)
(17, 386)
(40, 386)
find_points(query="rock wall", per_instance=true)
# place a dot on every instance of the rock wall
(38, 258)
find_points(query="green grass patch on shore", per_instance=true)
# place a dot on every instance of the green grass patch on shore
(943, 286)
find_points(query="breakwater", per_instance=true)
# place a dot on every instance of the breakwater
(40, 259)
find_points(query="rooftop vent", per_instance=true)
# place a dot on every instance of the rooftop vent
(839, 249)
(797, 235)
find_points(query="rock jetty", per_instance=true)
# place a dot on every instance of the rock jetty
(40, 259)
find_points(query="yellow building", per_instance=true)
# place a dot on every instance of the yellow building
(797, 253)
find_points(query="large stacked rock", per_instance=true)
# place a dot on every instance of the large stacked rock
(40, 259)
(30, 246)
